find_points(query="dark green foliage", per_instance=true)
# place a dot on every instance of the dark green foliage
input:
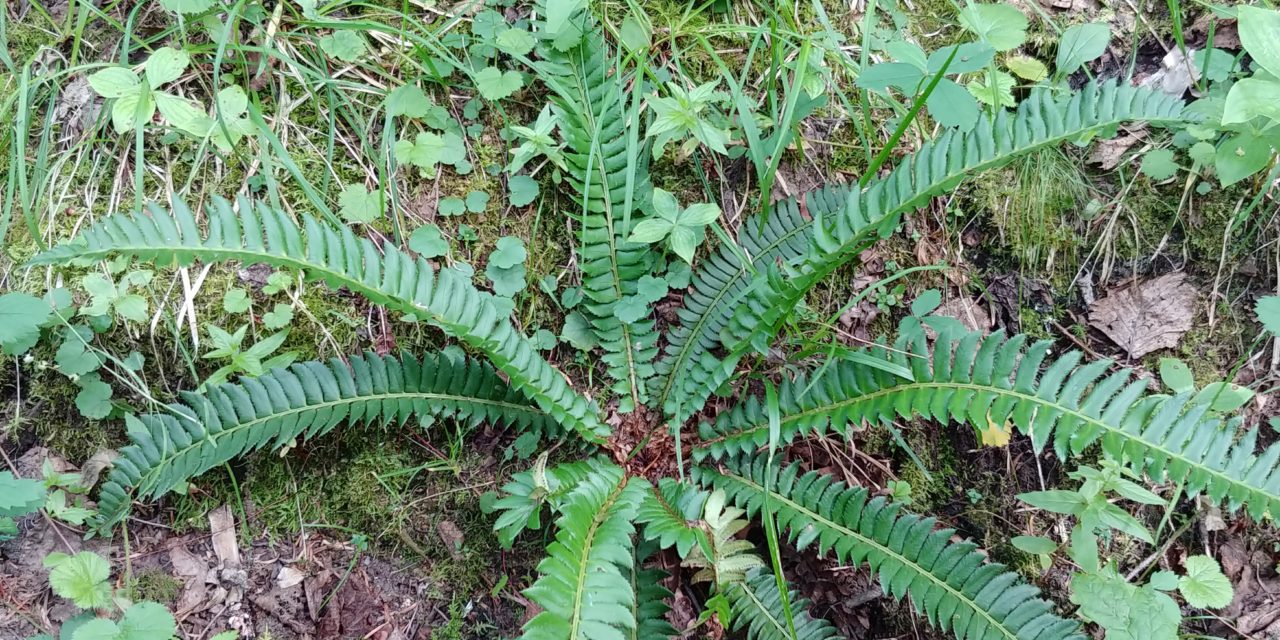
(983, 380)
(608, 173)
(651, 606)
(307, 399)
(757, 608)
(584, 585)
(688, 370)
(670, 514)
(1042, 120)
(950, 583)
(258, 234)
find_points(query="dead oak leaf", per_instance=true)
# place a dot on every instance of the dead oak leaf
(1148, 315)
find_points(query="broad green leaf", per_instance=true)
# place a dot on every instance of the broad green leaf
(506, 282)
(1034, 544)
(651, 289)
(577, 332)
(1080, 44)
(684, 242)
(903, 76)
(926, 302)
(408, 100)
(428, 242)
(165, 66)
(1125, 611)
(999, 25)
(1250, 98)
(1027, 68)
(358, 204)
(494, 84)
(133, 110)
(1159, 164)
(21, 316)
(636, 34)
(1225, 396)
(1241, 156)
(523, 190)
(1176, 375)
(344, 44)
(1204, 585)
(999, 94)
(183, 114)
(969, 57)
(147, 621)
(96, 629)
(114, 82)
(477, 201)
(516, 42)
(561, 28)
(235, 301)
(19, 496)
(651, 230)
(82, 579)
(630, 309)
(1055, 500)
(1163, 581)
(187, 6)
(952, 106)
(94, 397)
(1268, 311)
(908, 52)
(1260, 35)
(278, 317)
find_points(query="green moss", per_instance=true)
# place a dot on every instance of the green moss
(155, 585)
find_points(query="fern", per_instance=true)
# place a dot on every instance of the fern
(993, 380)
(670, 515)
(688, 371)
(386, 275)
(757, 608)
(582, 587)
(590, 104)
(651, 607)
(521, 506)
(938, 166)
(950, 583)
(307, 399)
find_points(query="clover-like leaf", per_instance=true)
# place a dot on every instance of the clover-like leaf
(494, 84)
(344, 44)
(358, 204)
(508, 252)
(21, 316)
(19, 496)
(428, 242)
(522, 190)
(165, 66)
(1000, 25)
(279, 317)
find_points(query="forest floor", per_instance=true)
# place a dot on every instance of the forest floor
(388, 538)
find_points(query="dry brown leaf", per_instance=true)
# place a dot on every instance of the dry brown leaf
(967, 311)
(222, 530)
(1147, 316)
(1108, 153)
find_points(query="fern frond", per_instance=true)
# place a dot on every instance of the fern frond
(993, 380)
(308, 399)
(1041, 121)
(386, 275)
(670, 515)
(757, 607)
(605, 169)
(583, 586)
(520, 507)
(688, 370)
(651, 598)
(729, 557)
(950, 583)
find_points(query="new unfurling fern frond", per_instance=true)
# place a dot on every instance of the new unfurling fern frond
(258, 234)
(524, 496)
(606, 171)
(584, 585)
(952, 584)
(689, 370)
(210, 428)
(757, 607)
(1041, 121)
(985, 380)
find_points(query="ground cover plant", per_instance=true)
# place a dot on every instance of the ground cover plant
(557, 247)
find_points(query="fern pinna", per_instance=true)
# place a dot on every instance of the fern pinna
(599, 580)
